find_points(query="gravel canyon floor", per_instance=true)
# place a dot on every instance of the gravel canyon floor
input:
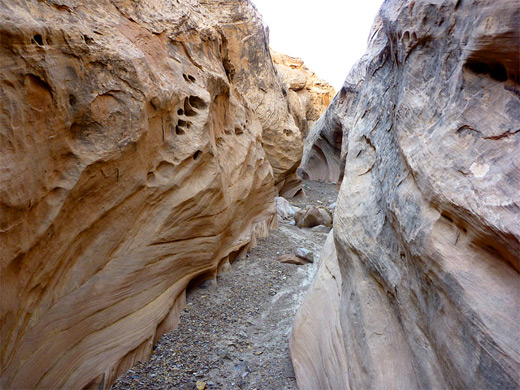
(235, 334)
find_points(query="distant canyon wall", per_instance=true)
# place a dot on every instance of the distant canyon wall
(141, 147)
(308, 95)
(419, 286)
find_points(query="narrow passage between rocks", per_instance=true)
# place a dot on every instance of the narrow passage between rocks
(235, 334)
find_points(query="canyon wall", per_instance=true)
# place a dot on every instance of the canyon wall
(420, 287)
(248, 64)
(138, 144)
(308, 95)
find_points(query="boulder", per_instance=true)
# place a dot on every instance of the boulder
(284, 208)
(320, 229)
(291, 259)
(312, 216)
(422, 289)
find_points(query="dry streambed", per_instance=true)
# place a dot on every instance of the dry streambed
(235, 335)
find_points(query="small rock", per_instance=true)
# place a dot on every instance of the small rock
(305, 254)
(320, 229)
(284, 208)
(291, 259)
(224, 354)
(201, 385)
(208, 283)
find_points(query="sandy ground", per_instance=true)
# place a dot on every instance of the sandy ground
(235, 335)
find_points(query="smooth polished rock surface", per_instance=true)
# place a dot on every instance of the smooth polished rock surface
(131, 166)
(424, 283)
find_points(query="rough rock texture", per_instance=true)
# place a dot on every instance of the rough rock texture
(248, 64)
(284, 208)
(309, 96)
(423, 289)
(313, 216)
(131, 164)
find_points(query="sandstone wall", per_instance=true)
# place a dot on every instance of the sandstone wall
(248, 64)
(309, 96)
(424, 285)
(131, 165)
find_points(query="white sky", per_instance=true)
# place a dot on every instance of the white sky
(329, 35)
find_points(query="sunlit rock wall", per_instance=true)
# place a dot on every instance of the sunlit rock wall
(131, 164)
(248, 64)
(427, 223)
(308, 95)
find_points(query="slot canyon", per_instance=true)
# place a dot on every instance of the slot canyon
(184, 206)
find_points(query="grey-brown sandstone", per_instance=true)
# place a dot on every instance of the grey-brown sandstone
(419, 286)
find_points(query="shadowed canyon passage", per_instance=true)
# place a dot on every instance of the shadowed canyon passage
(143, 145)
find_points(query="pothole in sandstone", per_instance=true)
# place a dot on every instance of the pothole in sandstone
(235, 335)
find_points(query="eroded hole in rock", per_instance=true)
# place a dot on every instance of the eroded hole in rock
(196, 102)
(72, 100)
(38, 39)
(447, 217)
(239, 130)
(498, 72)
(180, 111)
(478, 67)
(189, 78)
(179, 130)
(188, 109)
(229, 69)
(88, 40)
(197, 154)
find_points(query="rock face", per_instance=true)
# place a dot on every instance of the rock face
(131, 165)
(309, 96)
(248, 64)
(422, 289)
(322, 148)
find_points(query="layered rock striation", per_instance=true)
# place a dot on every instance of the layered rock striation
(308, 95)
(247, 62)
(420, 286)
(138, 146)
